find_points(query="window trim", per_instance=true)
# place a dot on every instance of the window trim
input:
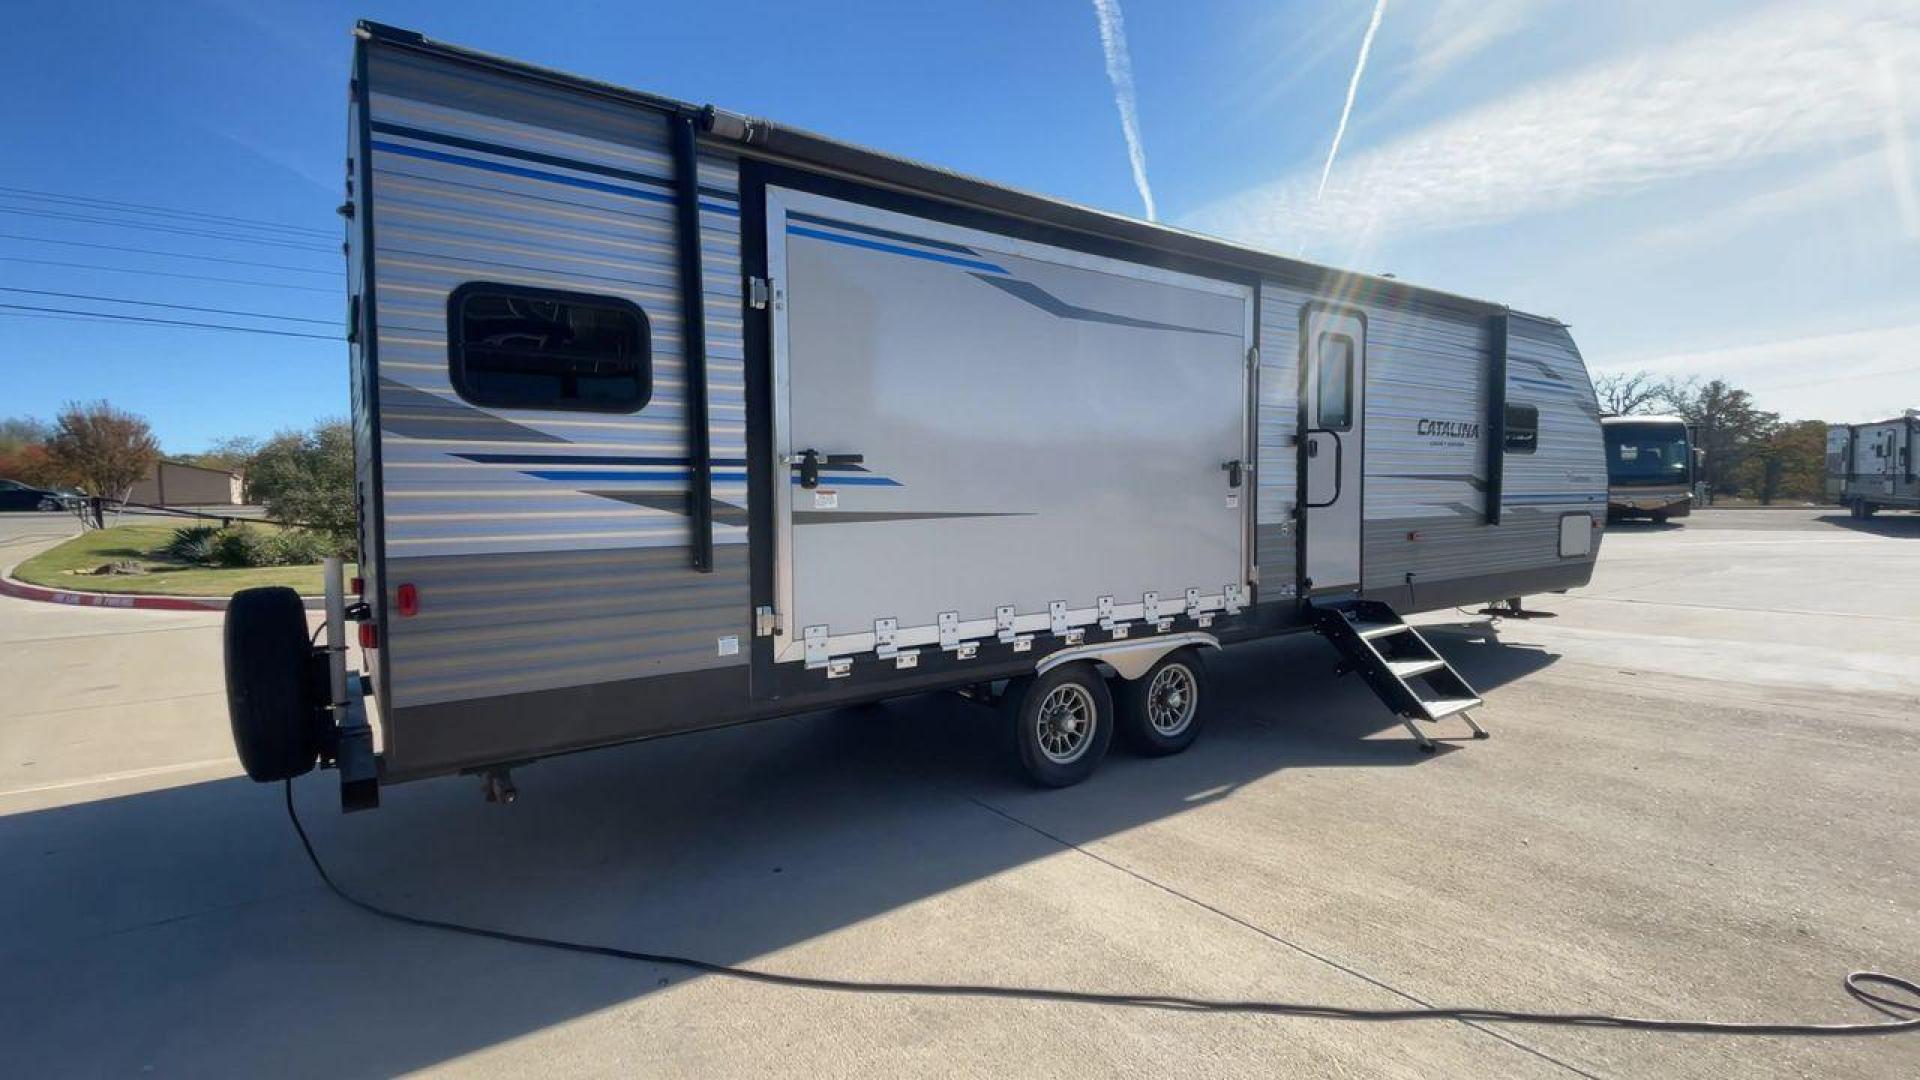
(1507, 428)
(1320, 380)
(456, 345)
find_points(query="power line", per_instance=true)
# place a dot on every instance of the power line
(175, 230)
(165, 274)
(167, 254)
(7, 308)
(159, 304)
(85, 200)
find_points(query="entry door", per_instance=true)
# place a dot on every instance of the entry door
(1332, 447)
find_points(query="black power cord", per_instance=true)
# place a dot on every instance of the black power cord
(1906, 1013)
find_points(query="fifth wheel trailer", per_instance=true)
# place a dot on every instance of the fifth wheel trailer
(667, 418)
(1871, 467)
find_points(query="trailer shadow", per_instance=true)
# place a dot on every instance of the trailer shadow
(1884, 523)
(181, 930)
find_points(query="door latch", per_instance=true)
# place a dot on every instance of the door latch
(1234, 469)
(811, 460)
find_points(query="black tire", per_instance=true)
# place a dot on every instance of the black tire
(1062, 723)
(1868, 509)
(1659, 517)
(1160, 713)
(271, 697)
(49, 505)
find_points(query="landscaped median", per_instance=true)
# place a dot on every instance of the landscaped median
(127, 563)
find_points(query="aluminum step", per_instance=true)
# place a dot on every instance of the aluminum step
(1371, 630)
(1407, 669)
(1448, 706)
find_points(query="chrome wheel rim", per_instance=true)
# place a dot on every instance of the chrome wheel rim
(1064, 725)
(1172, 699)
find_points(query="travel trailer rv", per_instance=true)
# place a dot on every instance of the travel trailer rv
(667, 417)
(1650, 466)
(1870, 467)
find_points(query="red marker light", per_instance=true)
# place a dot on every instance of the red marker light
(369, 636)
(408, 598)
(357, 586)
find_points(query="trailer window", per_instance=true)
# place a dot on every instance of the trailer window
(1335, 410)
(1523, 429)
(512, 347)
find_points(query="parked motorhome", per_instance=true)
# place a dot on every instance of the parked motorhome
(667, 417)
(1650, 466)
(1871, 467)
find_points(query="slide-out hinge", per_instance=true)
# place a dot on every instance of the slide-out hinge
(766, 621)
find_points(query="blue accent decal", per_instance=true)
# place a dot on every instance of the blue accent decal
(588, 475)
(894, 249)
(839, 480)
(1563, 496)
(590, 459)
(1557, 387)
(537, 174)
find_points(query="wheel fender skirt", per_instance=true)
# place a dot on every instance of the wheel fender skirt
(1128, 659)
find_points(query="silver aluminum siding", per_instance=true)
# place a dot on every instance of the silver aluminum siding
(529, 582)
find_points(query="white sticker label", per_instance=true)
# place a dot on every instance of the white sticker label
(823, 499)
(1233, 500)
(730, 646)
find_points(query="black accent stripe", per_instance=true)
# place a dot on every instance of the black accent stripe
(1053, 305)
(693, 335)
(795, 215)
(1468, 478)
(535, 156)
(1496, 448)
(676, 502)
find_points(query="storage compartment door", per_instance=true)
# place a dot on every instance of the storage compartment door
(999, 429)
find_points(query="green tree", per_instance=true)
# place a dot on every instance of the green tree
(1727, 426)
(23, 453)
(306, 478)
(105, 449)
(234, 453)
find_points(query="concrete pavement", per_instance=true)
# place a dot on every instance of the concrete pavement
(1697, 800)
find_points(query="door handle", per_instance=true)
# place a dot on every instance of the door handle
(811, 460)
(1234, 471)
(1339, 463)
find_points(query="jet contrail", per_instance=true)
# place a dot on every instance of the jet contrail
(1353, 87)
(1113, 41)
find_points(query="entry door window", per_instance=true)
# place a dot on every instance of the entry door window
(1335, 392)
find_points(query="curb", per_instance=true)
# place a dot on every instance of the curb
(20, 590)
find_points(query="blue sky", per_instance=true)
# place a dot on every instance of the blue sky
(1707, 187)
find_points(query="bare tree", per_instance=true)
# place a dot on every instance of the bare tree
(1623, 393)
(104, 448)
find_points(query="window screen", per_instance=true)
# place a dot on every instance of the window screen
(1336, 383)
(1523, 429)
(511, 347)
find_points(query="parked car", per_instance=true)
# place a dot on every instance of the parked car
(15, 495)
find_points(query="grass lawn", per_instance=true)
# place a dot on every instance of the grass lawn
(68, 566)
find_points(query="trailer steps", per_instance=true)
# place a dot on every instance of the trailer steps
(1407, 673)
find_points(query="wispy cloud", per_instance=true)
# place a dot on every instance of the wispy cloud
(1459, 30)
(1851, 376)
(1353, 89)
(1113, 42)
(1787, 79)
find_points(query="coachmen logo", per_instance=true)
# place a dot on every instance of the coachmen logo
(1449, 429)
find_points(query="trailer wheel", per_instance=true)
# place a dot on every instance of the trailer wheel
(1160, 712)
(271, 700)
(1062, 723)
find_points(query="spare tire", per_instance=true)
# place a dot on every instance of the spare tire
(272, 701)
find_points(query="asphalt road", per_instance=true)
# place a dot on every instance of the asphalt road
(1698, 800)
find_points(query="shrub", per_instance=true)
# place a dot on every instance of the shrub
(299, 547)
(239, 545)
(192, 544)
